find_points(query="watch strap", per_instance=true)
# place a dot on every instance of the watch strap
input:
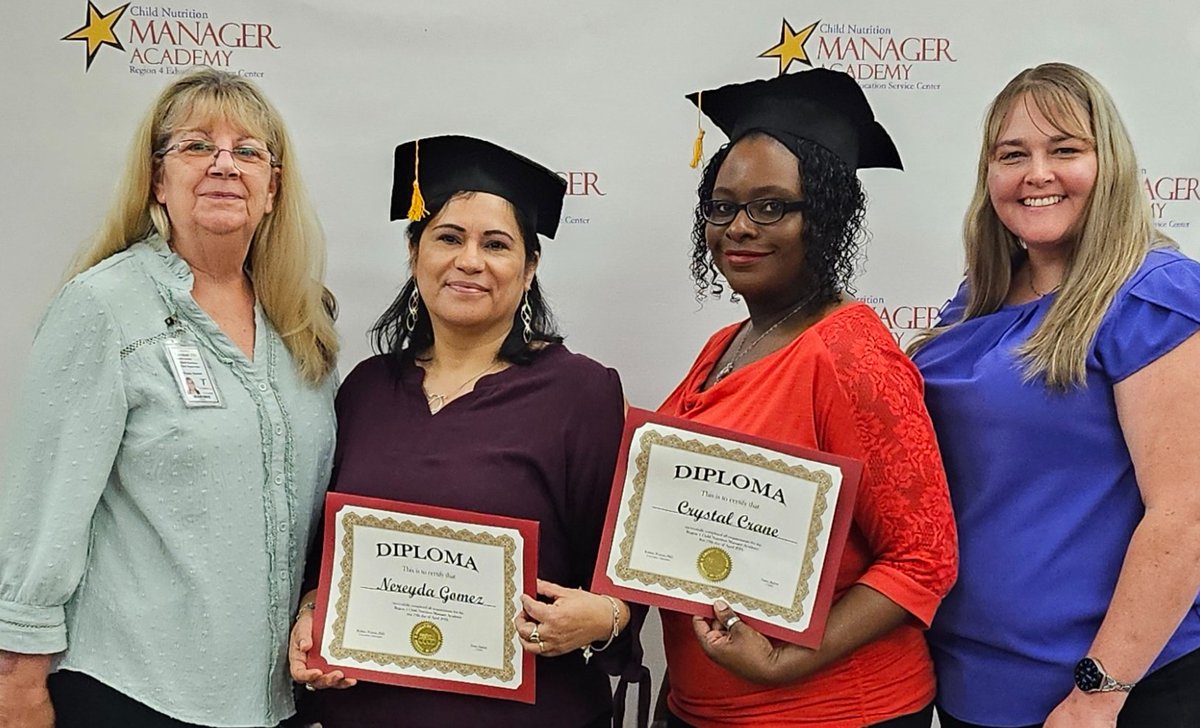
(1107, 684)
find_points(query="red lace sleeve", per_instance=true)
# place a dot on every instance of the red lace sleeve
(903, 506)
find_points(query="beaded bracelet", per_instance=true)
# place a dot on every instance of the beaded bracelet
(588, 650)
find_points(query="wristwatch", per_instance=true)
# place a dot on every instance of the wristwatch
(1090, 677)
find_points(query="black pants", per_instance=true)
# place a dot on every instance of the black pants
(920, 719)
(1169, 697)
(84, 702)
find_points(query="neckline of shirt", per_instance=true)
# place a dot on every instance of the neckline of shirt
(715, 357)
(176, 277)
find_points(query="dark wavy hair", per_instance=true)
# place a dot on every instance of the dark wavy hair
(833, 232)
(389, 335)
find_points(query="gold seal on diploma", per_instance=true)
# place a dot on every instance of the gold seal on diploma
(426, 638)
(714, 563)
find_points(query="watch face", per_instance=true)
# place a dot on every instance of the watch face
(1087, 675)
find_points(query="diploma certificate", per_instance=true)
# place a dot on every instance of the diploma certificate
(425, 597)
(699, 513)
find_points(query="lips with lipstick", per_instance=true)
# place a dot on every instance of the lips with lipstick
(738, 257)
(466, 288)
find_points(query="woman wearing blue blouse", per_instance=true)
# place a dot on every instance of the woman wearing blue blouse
(173, 437)
(1064, 384)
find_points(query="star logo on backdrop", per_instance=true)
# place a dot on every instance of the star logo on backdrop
(790, 47)
(98, 31)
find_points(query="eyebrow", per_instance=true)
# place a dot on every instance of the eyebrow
(760, 193)
(461, 229)
(244, 137)
(1020, 142)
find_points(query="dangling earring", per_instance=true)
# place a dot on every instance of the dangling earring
(410, 320)
(527, 318)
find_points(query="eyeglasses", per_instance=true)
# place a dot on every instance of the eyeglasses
(201, 150)
(763, 212)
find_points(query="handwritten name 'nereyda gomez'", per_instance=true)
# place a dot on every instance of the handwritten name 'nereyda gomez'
(445, 593)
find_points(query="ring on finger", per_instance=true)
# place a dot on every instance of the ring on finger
(731, 621)
(541, 646)
(309, 687)
(534, 637)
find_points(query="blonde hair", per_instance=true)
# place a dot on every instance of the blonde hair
(287, 252)
(1114, 235)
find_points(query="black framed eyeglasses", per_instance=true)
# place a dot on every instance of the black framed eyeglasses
(763, 212)
(202, 150)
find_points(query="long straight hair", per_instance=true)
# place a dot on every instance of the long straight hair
(287, 251)
(1111, 241)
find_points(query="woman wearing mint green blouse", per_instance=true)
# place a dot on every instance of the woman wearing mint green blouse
(173, 437)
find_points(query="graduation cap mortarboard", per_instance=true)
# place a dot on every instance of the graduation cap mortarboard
(823, 106)
(437, 167)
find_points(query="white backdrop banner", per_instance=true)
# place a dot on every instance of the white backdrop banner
(594, 90)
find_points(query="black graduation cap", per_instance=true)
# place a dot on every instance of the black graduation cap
(437, 167)
(823, 106)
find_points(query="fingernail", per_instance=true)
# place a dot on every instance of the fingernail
(720, 604)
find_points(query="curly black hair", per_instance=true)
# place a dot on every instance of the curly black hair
(391, 336)
(834, 234)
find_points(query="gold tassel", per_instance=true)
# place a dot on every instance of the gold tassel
(698, 149)
(698, 145)
(416, 210)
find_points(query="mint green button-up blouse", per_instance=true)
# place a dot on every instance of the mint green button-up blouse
(159, 548)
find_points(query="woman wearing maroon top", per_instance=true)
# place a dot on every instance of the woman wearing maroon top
(474, 403)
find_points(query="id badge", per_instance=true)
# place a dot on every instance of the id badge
(196, 384)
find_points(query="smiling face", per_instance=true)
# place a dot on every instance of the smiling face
(1039, 176)
(470, 264)
(214, 195)
(763, 263)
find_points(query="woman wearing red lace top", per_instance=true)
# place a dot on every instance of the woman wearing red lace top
(780, 217)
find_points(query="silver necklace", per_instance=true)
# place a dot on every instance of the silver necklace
(437, 401)
(744, 349)
(1038, 293)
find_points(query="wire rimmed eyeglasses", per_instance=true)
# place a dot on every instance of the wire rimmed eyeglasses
(201, 150)
(764, 212)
